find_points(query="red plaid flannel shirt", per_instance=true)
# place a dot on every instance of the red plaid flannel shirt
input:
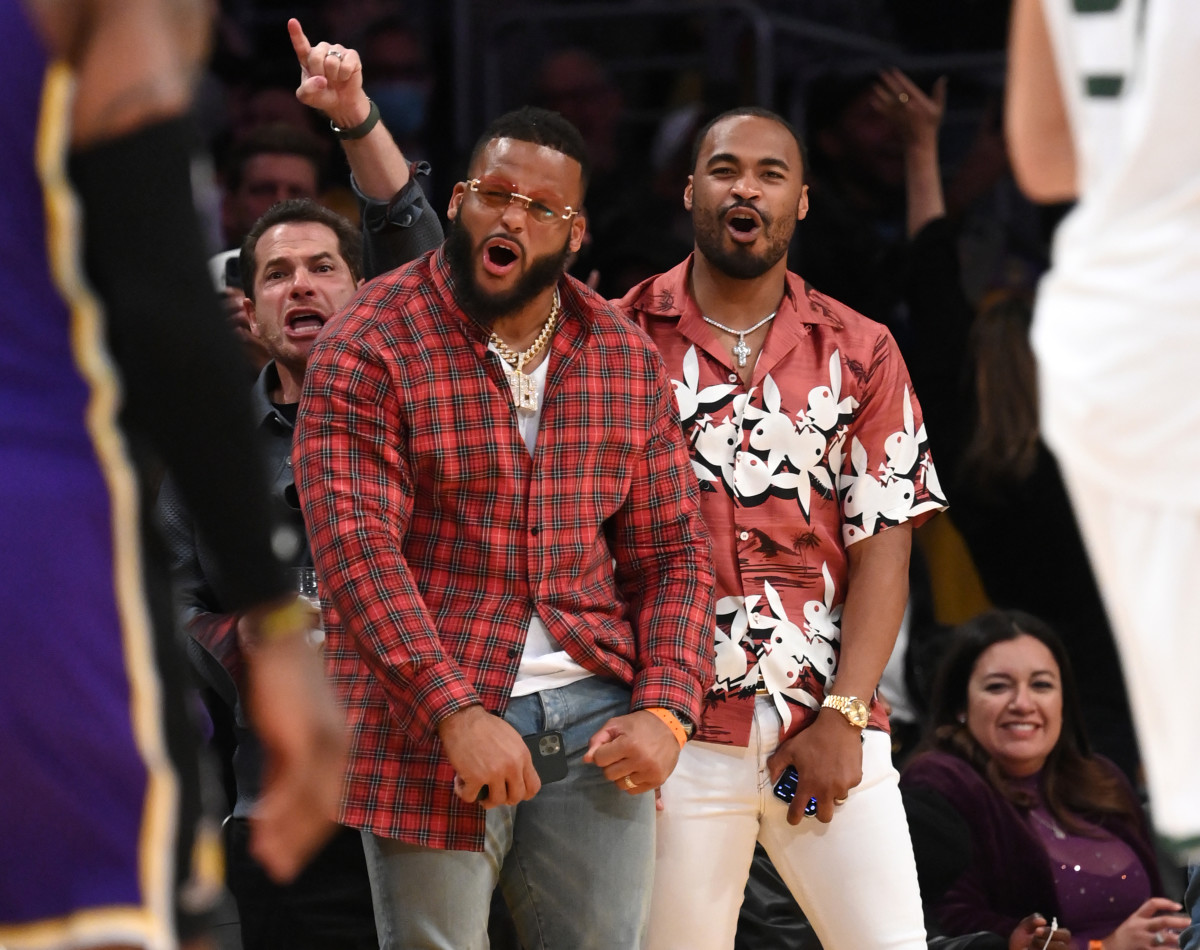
(435, 534)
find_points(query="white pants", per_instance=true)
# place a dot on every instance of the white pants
(1146, 557)
(855, 877)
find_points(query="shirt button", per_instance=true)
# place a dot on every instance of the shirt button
(733, 377)
(513, 651)
(745, 536)
(534, 530)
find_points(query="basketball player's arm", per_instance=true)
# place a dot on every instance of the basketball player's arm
(828, 754)
(1035, 117)
(133, 62)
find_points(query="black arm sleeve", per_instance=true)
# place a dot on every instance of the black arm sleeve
(184, 391)
(400, 230)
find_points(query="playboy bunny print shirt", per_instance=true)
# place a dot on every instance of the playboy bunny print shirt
(823, 448)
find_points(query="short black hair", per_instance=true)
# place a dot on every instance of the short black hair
(278, 138)
(301, 210)
(539, 127)
(757, 112)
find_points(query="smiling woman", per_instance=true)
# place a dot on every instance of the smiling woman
(1056, 833)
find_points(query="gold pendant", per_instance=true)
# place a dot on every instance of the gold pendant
(524, 391)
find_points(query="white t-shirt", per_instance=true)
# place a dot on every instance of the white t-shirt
(544, 664)
(1117, 324)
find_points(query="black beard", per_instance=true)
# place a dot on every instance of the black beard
(482, 307)
(738, 262)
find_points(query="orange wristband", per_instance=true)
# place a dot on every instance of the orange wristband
(1095, 945)
(672, 722)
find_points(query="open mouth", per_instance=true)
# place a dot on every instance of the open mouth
(306, 323)
(743, 224)
(499, 257)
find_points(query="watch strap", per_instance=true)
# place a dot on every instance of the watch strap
(360, 130)
(844, 705)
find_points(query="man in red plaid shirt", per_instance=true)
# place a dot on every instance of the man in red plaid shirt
(503, 514)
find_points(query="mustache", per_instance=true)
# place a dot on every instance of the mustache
(748, 205)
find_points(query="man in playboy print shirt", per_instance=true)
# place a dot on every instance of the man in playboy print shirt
(808, 443)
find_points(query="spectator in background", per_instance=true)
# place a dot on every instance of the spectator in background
(271, 164)
(852, 245)
(976, 376)
(396, 61)
(625, 242)
(1057, 834)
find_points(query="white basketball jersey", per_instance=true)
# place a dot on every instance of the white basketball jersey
(1117, 329)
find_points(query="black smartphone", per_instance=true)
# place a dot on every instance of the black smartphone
(785, 790)
(549, 754)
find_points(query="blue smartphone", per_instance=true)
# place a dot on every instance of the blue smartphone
(785, 790)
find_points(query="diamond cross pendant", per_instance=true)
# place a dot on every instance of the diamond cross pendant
(741, 350)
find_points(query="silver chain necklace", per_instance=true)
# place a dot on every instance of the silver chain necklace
(740, 349)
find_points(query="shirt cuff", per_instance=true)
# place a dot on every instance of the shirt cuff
(434, 694)
(668, 688)
(402, 210)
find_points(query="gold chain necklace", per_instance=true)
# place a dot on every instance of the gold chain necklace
(524, 388)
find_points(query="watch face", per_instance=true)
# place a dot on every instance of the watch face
(858, 714)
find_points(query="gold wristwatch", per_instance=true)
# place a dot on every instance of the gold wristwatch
(853, 708)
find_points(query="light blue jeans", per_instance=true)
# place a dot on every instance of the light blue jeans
(575, 862)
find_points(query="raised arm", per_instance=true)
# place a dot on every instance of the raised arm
(1035, 117)
(398, 223)
(919, 118)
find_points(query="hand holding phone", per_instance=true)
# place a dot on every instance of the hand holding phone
(785, 790)
(549, 754)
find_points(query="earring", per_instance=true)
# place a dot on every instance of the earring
(962, 719)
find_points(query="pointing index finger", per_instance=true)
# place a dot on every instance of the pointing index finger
(300, 42)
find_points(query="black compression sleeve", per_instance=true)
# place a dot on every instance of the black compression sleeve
(183, 376)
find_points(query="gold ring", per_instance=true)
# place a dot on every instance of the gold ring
(839, 801)
(903, 97)
(629, 782)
